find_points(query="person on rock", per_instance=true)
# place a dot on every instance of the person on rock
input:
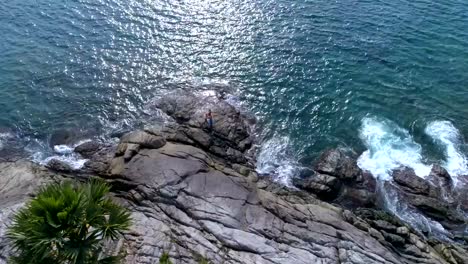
(209, 119)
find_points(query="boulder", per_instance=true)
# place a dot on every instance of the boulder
(336, 162)
(58, 165)
(88, 148)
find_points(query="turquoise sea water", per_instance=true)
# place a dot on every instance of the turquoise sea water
(389, 76)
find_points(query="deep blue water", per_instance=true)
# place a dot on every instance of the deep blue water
(312, 71)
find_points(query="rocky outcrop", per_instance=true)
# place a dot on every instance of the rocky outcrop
(431, 197)
(336, 177)
(194, 194)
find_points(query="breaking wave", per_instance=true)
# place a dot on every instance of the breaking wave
(449, 138)
(40, 153)
(276, 159)
(389, 147)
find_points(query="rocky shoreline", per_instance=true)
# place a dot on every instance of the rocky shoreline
(195, 194)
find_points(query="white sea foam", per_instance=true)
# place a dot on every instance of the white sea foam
(389, 147)
(41, 153)
(276, 159)
(446, 135)
(63, 149)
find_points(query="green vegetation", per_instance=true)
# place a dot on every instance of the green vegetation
(68, 223)
(164, 259)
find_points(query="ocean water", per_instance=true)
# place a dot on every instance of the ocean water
(388, 79)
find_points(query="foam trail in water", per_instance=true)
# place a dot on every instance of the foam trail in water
(447, 136)
(276, 160)
(389, 147)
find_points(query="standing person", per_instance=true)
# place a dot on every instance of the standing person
(209, 119)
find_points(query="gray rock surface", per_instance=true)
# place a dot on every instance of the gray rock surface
(193, 198)
(18, 181)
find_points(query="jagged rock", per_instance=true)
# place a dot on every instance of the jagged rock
(87, 149)
(130, 150)
(121, 148)
(384, 225)
(376, 234)
(336, 162)
(58, 165)
(406, 178)
(438, 209)
(441, 178)
(440, 172)
(200, 137)
(403, 231)
(144, 139)
(353, 197)
(395, 240)
(323, 185)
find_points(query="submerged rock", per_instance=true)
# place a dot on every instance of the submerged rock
(63, 137)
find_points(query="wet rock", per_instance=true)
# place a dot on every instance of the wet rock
(87, 149)
(336, 162)
(437, 209)
(58, 165)
(440, 172)
(441, 178)
(410, 182)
